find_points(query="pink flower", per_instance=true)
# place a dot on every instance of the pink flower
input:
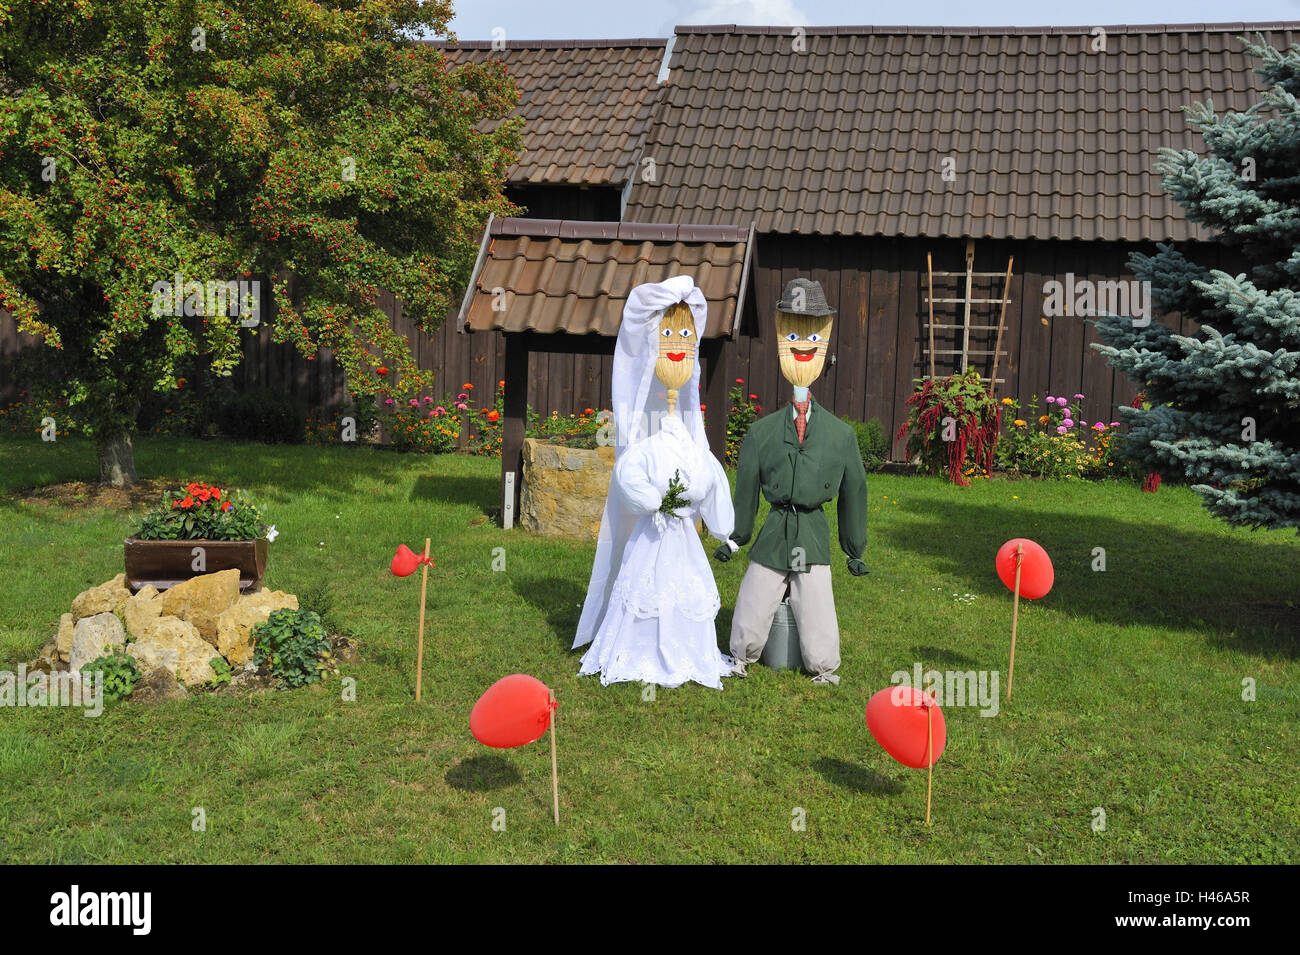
(414, 403)
(1099, 426)
(389, 402)
(428, 399)
(461, 406)
(1068, 423)
(1114, 424)
(440, 410)
(1062, 402)
(462, 397)
(1061, 429)
(1051, 400)
(1078, 397)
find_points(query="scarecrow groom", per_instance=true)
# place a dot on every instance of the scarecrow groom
(802, 458)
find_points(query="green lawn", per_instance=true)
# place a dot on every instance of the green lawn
(1127, 691)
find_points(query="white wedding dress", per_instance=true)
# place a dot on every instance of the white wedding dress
(658, 624)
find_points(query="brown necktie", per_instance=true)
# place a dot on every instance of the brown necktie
(801, 419)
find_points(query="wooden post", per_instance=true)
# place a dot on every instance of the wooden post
(713, 394)
(514, 419)
(419, 655)
(929, 758)
(965, 334)
(555, 768)
(929, 277)
(1002, 316)
(1015, 617)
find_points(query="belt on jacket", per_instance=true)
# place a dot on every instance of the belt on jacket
(788, 506)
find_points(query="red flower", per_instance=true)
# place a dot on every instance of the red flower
(740, 381)
(701, 407)
(187, 503)
(381, 370)
(225, 505)
(753, 397)
(216, 493)
(493, 415)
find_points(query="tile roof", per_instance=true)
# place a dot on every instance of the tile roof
(574, 277)
(586, 105)
(1049, 139)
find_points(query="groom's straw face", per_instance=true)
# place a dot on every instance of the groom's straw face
(677, 346)
(801, 342)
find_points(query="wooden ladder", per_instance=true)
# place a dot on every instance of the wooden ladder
(965, 326)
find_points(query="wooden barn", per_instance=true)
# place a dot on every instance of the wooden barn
(904, 168)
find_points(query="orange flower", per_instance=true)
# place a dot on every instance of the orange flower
(588, 411)
(501, 383)
(493, 415)
(467, 387)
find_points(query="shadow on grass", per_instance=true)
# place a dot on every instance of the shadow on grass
(928, 655)
(478, 492)
(857, 778)
(481, 774)
(1234, 589)
(559, 599)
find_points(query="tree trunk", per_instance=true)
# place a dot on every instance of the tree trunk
(116, 459)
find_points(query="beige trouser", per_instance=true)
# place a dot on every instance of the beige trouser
(813, 604)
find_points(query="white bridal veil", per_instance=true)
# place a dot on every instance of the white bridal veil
(640, 401)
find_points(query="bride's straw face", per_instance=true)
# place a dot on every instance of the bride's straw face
(677, 345)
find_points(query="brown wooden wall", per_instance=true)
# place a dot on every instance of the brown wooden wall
(877, 286)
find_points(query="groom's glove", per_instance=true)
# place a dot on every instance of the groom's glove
(725, 550)
(857, 568)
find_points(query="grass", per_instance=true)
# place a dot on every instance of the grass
(1128, 691)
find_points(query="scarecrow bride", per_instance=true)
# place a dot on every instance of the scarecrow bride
(652, 600)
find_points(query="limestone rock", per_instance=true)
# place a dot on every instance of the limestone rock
(201, 600)
(235, 625)
(176, 646)
(108, 597)
(142, 610)
(564, 489)
(92, 636)
(158, 686)
(48, 660)
(346, 650)
(63, 642)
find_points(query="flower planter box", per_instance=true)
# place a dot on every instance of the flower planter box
(165, 564)
(563, 490)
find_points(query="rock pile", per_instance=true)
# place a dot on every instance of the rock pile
(174, 636)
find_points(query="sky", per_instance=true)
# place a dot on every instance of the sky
(619, 19)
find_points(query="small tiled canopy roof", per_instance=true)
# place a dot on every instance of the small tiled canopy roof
(574, 277)
(586, 105)
(848, 136)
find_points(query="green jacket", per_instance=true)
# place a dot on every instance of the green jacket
(797, 479)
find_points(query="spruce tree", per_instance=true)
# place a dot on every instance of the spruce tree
(1225, 401)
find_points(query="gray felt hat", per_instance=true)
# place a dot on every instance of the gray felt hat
(807, 295)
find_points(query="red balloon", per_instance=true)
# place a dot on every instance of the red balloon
(404, 561)
(1036, 574)
(515, 711)
(897, 717)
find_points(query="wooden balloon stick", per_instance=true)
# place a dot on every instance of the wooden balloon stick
(929, 756)
(555, 769)
(1015, 618)
(419, 654)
